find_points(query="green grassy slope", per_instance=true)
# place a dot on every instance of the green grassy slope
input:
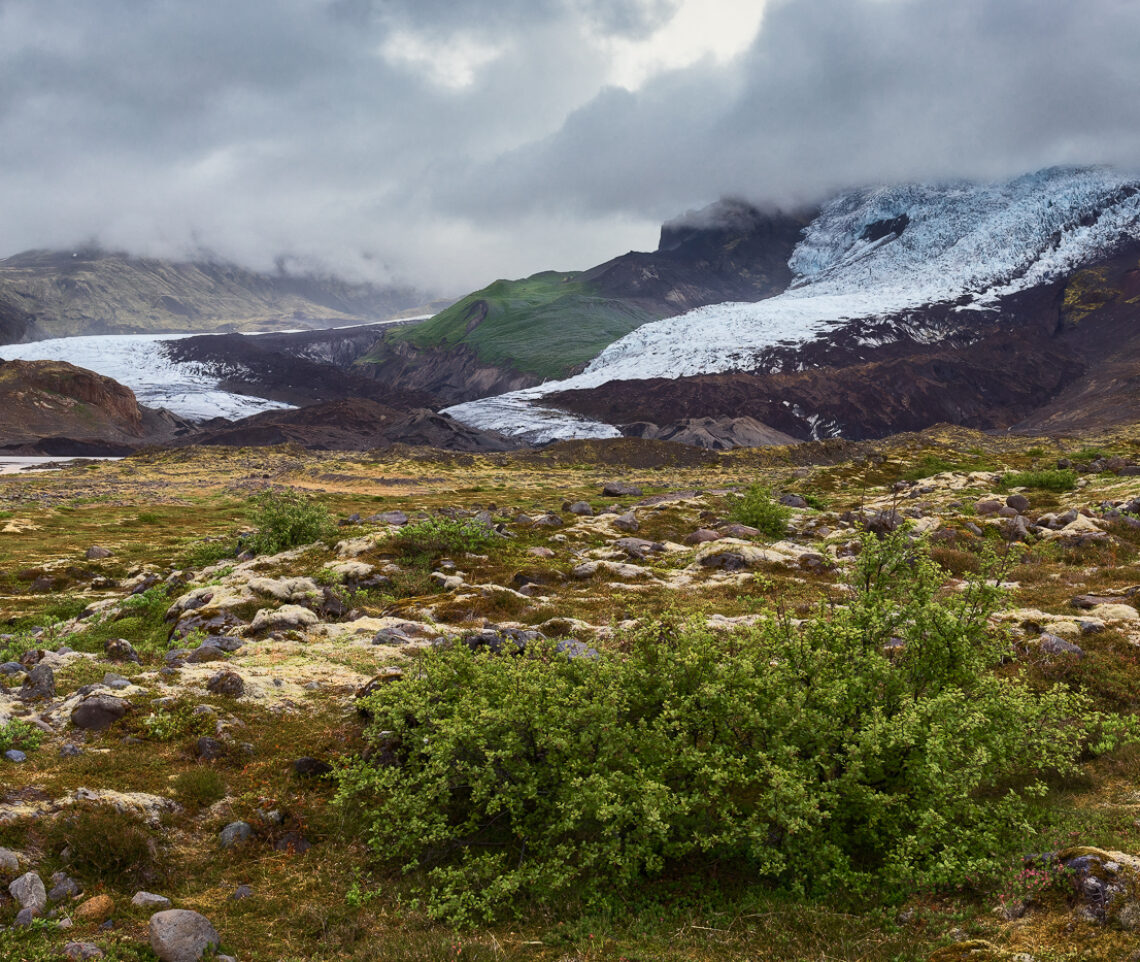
(544, 325)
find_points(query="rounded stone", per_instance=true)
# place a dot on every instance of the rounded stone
(95, 909)
(179, 935)
(233, 833)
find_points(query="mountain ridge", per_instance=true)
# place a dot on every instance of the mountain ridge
(46, 294)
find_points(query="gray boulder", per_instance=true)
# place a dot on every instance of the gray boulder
(9, 862)
(29, 892)
(1055, 645)
(619, 489)
(149, 900)
(179, 935)
(234, 833)
(97, 712)
(82, 950)
(38, 685)
(226, 683)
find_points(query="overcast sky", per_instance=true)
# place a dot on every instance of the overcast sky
(450, 142)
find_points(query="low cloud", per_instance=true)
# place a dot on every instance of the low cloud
(449, 144)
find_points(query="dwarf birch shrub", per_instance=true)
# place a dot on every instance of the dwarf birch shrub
(865, 746)
(757, 508)
(287, 519)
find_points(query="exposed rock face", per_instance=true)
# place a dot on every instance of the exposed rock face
(277, 367)
(992, 383)
(730, 251)
(53, 404)
(719, 434)
(352, 425)
(452, 374)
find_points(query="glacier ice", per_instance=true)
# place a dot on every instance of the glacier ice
(139, 362)
(965, 244)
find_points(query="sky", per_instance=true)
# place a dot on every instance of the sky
(446, 143)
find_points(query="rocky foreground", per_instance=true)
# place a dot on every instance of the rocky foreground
(172, 705)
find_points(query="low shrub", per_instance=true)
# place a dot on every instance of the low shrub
(174, 722)
(199, 787)
(866, 748)
(287, 519)
(21, 735)
(108, 846)
(758, 509)
(433, 538)
(1048, 479)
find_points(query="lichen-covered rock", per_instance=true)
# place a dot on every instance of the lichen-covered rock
(286, 589)
(228, 683)
(284, 618)
(95, 909)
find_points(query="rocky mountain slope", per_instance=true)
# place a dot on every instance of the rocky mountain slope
(51, 407)
(515, 333)
(46, 294)
(908, 303)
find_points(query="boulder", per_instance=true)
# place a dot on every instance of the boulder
(226, 683)
(148, 900)
(179, 935)
(619, 489)
(626, 522)
(1056, 645)
(285, 617)
(1019, 503)
(97, 712)
(29, 892)
(38, 685)
(119, 649)
(96, 909)
(97, 552)
(9, 862)
(82, 950)
(234, 833)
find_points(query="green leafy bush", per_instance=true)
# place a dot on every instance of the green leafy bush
(1048, 479)
(758, 509)
(20, 735)
(433, 538)
(287, 519)
(174, 722)
(867, 746)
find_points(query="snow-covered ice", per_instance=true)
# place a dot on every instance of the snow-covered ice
(139, 362)
(963, 242)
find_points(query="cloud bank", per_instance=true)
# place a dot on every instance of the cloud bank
(448, 144)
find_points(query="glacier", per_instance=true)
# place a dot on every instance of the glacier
(964, 244)
(139, 362)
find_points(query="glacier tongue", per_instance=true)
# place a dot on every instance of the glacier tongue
(961, 242)
(139, 362)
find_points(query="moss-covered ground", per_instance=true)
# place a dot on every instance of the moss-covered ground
(179, 516)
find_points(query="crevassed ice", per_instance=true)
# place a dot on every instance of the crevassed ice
(139, 362)
(963, 240)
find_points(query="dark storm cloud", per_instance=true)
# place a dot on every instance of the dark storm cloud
(450, 143)
(840, 92)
